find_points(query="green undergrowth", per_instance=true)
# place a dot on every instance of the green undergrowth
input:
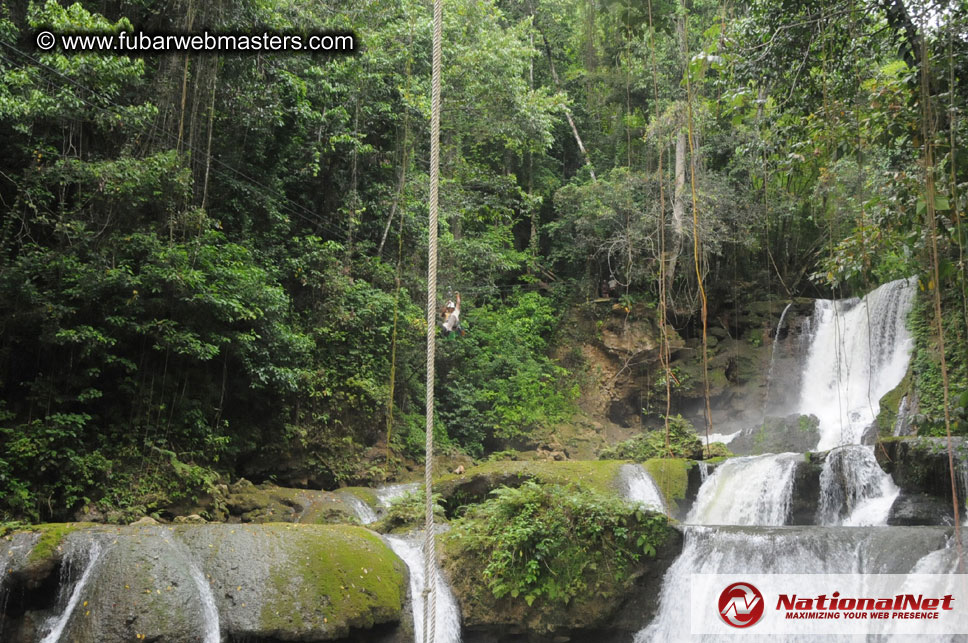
(683, 443)
(598, 475)
(408, 512)
(926, 364)
(550, 544)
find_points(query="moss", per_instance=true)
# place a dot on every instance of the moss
(365, 494)
(671, 475)
(716, 450)
(891, 402)
(336, 577)
(51, 536)
(600, 475)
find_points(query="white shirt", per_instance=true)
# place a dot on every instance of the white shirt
(452, 321)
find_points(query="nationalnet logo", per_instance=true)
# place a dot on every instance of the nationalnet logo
(829, 604)
(741, 605)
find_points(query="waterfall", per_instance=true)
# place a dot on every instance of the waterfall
(854, 490)
(210, 616)
(859, 352)
(902, 424)
(769, 372)
(4, 592)
(362, 510)
(410, 550)
(703, 471)
(388, 493)
(638, 486)
(785, 550)
(755, 490)
(55, 626)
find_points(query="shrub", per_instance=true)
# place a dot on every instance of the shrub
(683, 443)
(554, 543)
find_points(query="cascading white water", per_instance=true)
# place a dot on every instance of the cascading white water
(859, 352)
(901, 423)
(754, 490)
(210, 617)
(388, 493)
(410, 550)
(725, 438)
(769, 372)
(703, 471)
(638, 486)
(854, 490)
(55, 626)
(4, 594)
(785, 550)
(362, 510)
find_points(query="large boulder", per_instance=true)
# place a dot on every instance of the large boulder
(920, 465)
(191, 583)
(793, 433)
(920, 509)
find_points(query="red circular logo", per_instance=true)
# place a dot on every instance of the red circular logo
(741, 605)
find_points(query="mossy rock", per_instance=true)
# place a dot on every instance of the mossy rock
(299, 582)
(671, 476)
(478, 481)
(890, 403)
(278, 582)
(347, 579)
(45, 553)
(920, 464)
(249, 503)
(793, 433)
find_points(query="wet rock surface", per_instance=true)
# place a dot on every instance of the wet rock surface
(920, 465)
(920, 509)
(206, 583)
(793, 433)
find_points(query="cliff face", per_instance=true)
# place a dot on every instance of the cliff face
(617, 349)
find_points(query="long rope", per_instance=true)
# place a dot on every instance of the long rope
(430, 550)
(664, 354)
(927, 134)
(695, 231)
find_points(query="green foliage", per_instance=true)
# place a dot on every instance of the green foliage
(716, 450)
(197, 255)
(409, 512)
(555, 544)
(926, 364)
(683, 443)
(496, 381)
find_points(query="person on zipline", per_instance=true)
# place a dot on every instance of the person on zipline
(451, 317)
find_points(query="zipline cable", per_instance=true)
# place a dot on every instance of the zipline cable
(430, 551)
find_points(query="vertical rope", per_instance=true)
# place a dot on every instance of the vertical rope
(430, 550)
(695, 230)
(664, 354)
(927, 135)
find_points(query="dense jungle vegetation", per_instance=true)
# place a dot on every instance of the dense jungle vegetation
(214, 264)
